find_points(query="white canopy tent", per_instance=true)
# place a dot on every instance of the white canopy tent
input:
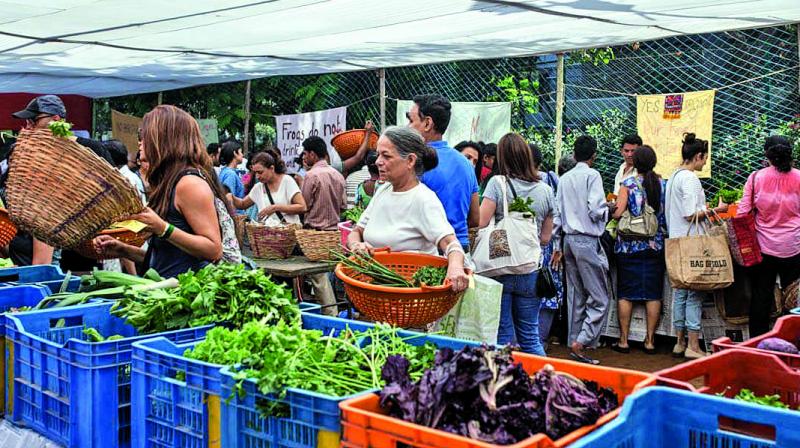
(102, 48)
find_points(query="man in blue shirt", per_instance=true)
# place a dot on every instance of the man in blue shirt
(453, 180)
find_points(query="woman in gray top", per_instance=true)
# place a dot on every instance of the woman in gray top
(519, 310)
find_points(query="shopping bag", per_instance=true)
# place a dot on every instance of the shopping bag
(510, 246)
(476, 317)
(699, 262)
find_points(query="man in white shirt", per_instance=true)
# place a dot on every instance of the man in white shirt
(627, 170)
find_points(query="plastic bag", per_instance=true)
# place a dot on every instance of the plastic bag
(476, 317)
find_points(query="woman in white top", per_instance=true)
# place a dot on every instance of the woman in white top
(405, 215)
(276, 194)
(685, 201)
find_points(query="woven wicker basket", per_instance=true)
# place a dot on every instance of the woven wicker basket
(317, 244)
(272, 242)
(86, 248)
(61, 192)
(7, 228)
(347, 143)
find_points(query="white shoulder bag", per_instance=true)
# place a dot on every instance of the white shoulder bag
(510, 246)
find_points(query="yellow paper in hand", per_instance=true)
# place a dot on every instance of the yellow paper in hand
(131, 224)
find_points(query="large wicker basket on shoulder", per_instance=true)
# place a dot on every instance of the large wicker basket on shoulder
(61, 192)
(318, 244)
(7, 228)
(404, 307)
(87, 249)
(347, 142)
(272, 243)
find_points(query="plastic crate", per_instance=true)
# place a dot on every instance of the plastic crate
(729, 371)
(172, 412)
(72, 391)
(787, 327)
(14, 297)
(365, 424)
(31, 274)
(314, 419)
(659, 417)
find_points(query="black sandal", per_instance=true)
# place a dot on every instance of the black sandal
(620, 349)
(583, 358)
(650, 351)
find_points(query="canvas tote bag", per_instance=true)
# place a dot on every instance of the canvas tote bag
(699, 262)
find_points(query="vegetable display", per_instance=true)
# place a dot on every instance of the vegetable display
(482, 394)
(285, 355)
(353, 214)
(223, 293)
(106, 285)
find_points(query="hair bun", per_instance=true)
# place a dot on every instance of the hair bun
(689, 138)
(430, 159)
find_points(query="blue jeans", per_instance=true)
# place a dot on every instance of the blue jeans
(519, 313)
(687, 306)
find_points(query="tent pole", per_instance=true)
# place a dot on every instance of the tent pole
(382, 76)
(94, 120)
(160, 98)
(559, 106)
(246, 139)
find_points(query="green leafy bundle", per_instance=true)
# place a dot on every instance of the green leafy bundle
(60, 128)
(223, 293)
(372, 268)
(430, 276)
(353, 215)
(522, 205)
(6, 263)
(285, 355)
(766, 400)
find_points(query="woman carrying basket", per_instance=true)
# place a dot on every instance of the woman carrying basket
(405, 215)
(276, 195)
(183, 211)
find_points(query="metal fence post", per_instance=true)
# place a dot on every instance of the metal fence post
(382, 83)
(559, 106)
(246, 138)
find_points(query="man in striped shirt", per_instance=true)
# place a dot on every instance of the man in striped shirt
(324, 192)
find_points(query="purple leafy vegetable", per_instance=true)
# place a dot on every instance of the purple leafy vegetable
(570, 405)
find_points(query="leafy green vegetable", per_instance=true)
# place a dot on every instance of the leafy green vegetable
(766, 400)
(430, 276)
(6, 263)
(353, 215)
(728, 196)
(285, 355)
(522, 205)
(223, 293)
(92, 335)
(60, 128)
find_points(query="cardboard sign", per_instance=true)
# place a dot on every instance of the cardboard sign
(125, 128)
(478, 122)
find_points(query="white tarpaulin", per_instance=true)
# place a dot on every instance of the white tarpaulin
(114, 47)
(292, 129)
(478, 122)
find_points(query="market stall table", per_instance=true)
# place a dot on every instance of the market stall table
(294, 267)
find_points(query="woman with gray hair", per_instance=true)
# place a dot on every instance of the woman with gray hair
(405, 215)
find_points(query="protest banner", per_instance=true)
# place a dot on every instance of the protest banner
(293, 129)
(663, 119)
(479, 122)
(125, 128)
(208, 129)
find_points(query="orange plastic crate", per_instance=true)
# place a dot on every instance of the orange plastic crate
(365, 424)
(787, 327)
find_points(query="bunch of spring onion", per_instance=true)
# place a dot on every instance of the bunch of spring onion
(106, 285)
(370, 267)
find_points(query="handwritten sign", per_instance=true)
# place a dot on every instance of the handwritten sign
(479, 122)
(663, 119)
(125, 128)
(293, 129)
(209, 130)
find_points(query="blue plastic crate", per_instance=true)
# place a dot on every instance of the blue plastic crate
(314, 419)
(175, 412)
(660, 417)
(72, 391)
(15, 296)
(31, 274)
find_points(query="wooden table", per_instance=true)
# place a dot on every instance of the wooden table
(295, 268)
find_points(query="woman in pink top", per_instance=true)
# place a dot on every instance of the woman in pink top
(773, 193)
